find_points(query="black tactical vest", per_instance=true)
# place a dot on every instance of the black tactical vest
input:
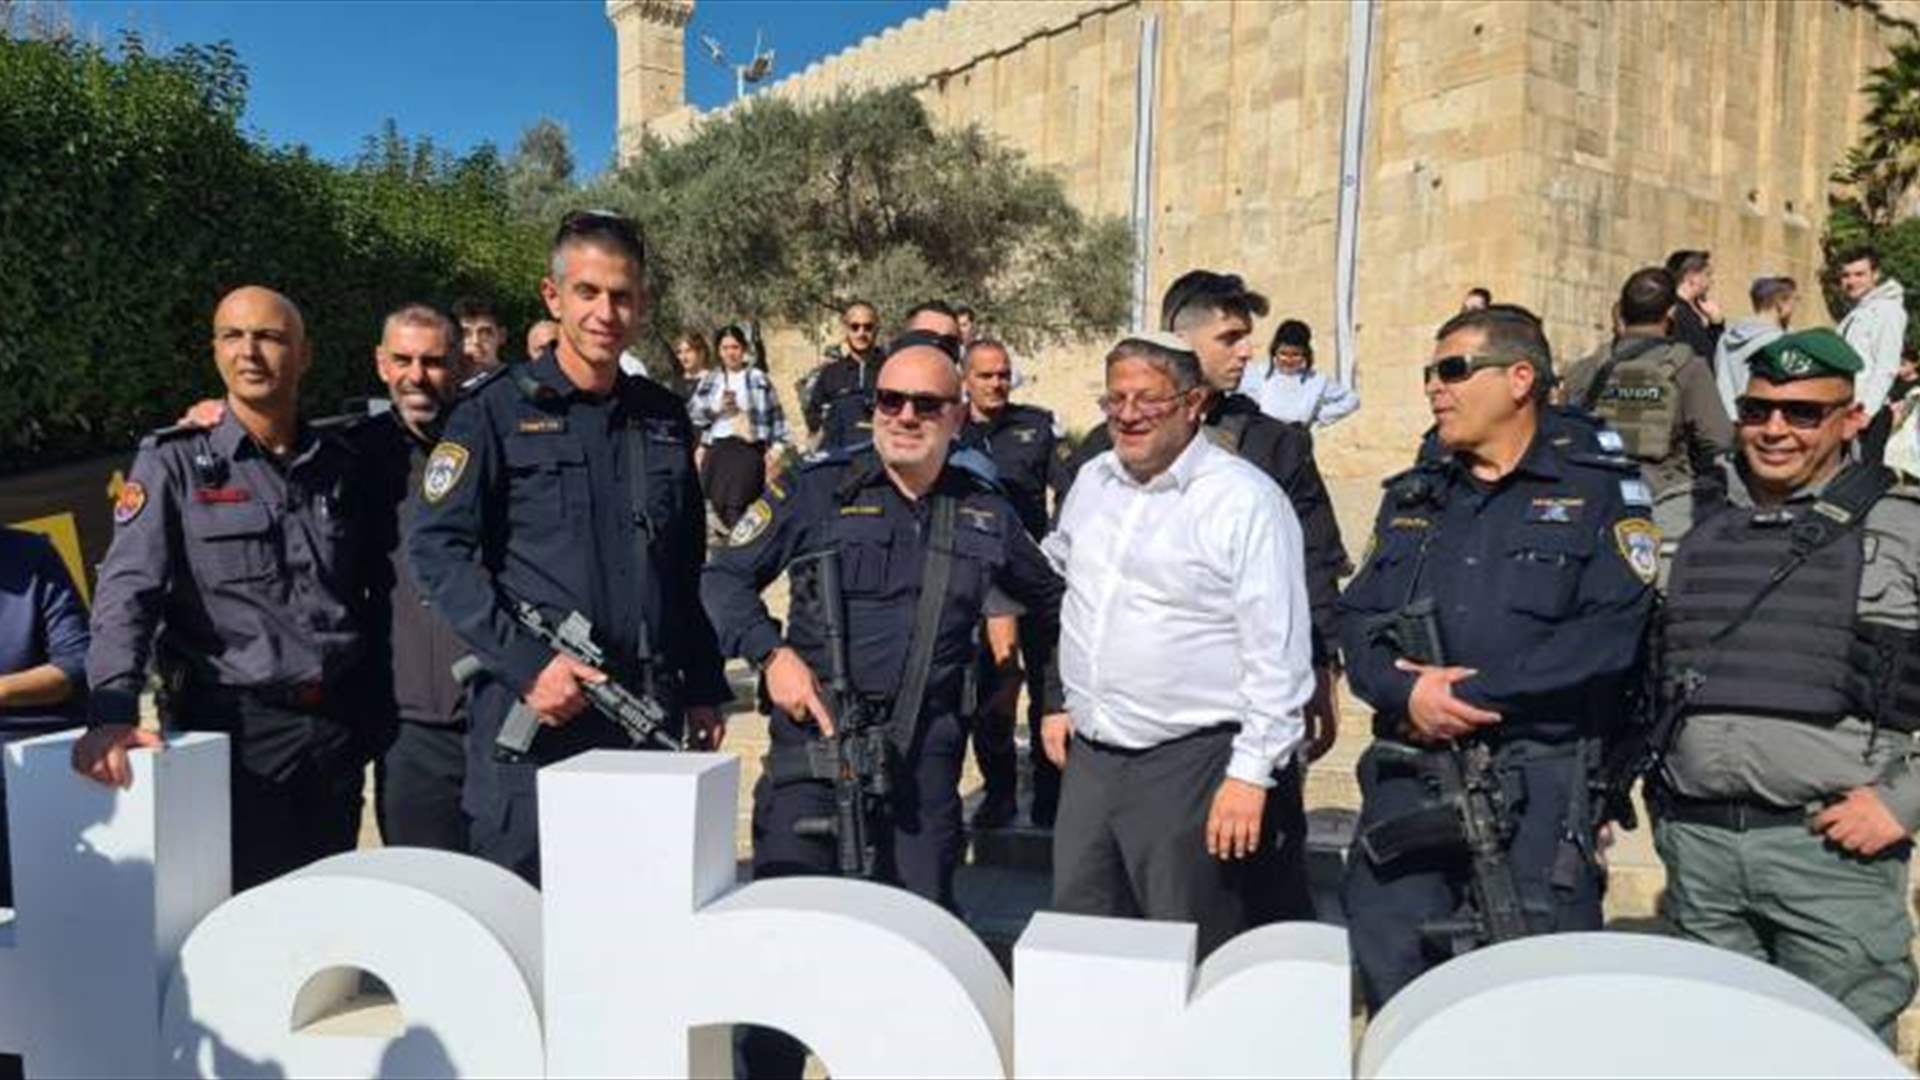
(1637, 392)
(1802, 653)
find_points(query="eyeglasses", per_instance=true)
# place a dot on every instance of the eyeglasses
(1800, 415)
(894, 402)
(859, 327)
(601, 225)
(1145, 406)
(1453, 369)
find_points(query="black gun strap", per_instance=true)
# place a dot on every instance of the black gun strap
(938, 570)
(643, 526)
(1591, 395)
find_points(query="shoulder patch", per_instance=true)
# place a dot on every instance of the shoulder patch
(475, 382)
(1639, 542)
(751, 524)
(445, 466)
(128, 504)
(160, 435)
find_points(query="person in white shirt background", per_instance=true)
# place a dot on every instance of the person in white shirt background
(742, 428)
(1288, 388)
(1185, 656)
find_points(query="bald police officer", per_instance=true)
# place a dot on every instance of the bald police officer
(1654, 391)
(1785, 805)
(238, 564)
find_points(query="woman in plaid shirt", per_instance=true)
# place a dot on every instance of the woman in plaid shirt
(742, 429)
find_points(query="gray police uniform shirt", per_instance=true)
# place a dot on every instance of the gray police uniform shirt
(247, 569)
(1792, 763)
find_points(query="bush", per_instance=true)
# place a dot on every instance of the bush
(130, 201)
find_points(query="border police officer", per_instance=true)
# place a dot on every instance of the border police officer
(238, 562)
(1535, 559)
(1791, 642)
(1654, 391)
(567, 484)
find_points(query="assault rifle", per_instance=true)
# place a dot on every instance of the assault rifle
(1468, 809)
(641, 716)
(857, 758)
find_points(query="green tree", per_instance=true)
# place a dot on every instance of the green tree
(131, 201)
(540, 172)
(1882, 168)
(782, 213)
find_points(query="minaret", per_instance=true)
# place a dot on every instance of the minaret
(652, 63)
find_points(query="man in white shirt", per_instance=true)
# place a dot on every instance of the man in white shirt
(1185, 655)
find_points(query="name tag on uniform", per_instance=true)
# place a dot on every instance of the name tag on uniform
(1556, 510)
(983, 520)
(858, 510)
(541, 425)
(1410, 523)
(1025, 435)
(221, 495)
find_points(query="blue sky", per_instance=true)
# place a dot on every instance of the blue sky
(328, 72)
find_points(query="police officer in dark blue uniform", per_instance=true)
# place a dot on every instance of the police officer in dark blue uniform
(1020, 440)
(1538, 558)
(885, 511)
(239, 563)
(568, 485)
(837, 398)
(875, 507)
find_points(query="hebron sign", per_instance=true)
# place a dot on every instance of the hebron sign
(129, 958)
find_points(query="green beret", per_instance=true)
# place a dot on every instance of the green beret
(1805, 354)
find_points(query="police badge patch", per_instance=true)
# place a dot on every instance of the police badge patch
(751, 524)
(445, 466)
(128, 504)
(1639, 543)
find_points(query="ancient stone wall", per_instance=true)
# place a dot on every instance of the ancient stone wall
(1542, 149)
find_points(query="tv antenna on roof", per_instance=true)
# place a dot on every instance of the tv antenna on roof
(755, 70)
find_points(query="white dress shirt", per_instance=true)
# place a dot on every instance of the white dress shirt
(1186, 607)
(1298, 397)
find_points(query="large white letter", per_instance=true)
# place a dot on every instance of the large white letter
(644, 944)
(456, 939)
(1118, 997)
(1612, 1004)
(108, 883)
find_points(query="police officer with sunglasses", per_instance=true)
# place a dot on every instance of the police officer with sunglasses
(889, 512)
(1791, 645)
(1533, 558)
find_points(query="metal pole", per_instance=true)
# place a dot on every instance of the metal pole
(1146, 92)
(1352, 153)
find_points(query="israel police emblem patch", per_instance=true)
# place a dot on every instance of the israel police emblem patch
(1639, 543)
(751, 524)
(445, 466)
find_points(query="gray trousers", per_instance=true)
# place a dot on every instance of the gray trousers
(1131, 840)
(1785, 896)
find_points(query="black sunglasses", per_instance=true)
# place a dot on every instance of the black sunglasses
(856, 327)
(1453, 369)
(893, 402)
(1800, 415)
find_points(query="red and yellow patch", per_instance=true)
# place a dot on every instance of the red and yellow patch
(131, 500)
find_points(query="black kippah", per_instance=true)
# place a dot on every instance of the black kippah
(946, 343)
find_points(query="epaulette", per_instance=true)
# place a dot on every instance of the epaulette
(475, 382)
(531, 388)
(1618, 463)
(839, 455)
(340, 423)
(977, 467)
(167, 434)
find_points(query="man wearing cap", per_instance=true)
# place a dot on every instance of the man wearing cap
(1495, 623)
(1185, 654)
(1791, 654)
(1653, 390)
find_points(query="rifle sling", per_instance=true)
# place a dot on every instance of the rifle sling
(643, 532)
(937, 572)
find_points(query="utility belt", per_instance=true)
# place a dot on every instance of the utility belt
(1734, 815)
